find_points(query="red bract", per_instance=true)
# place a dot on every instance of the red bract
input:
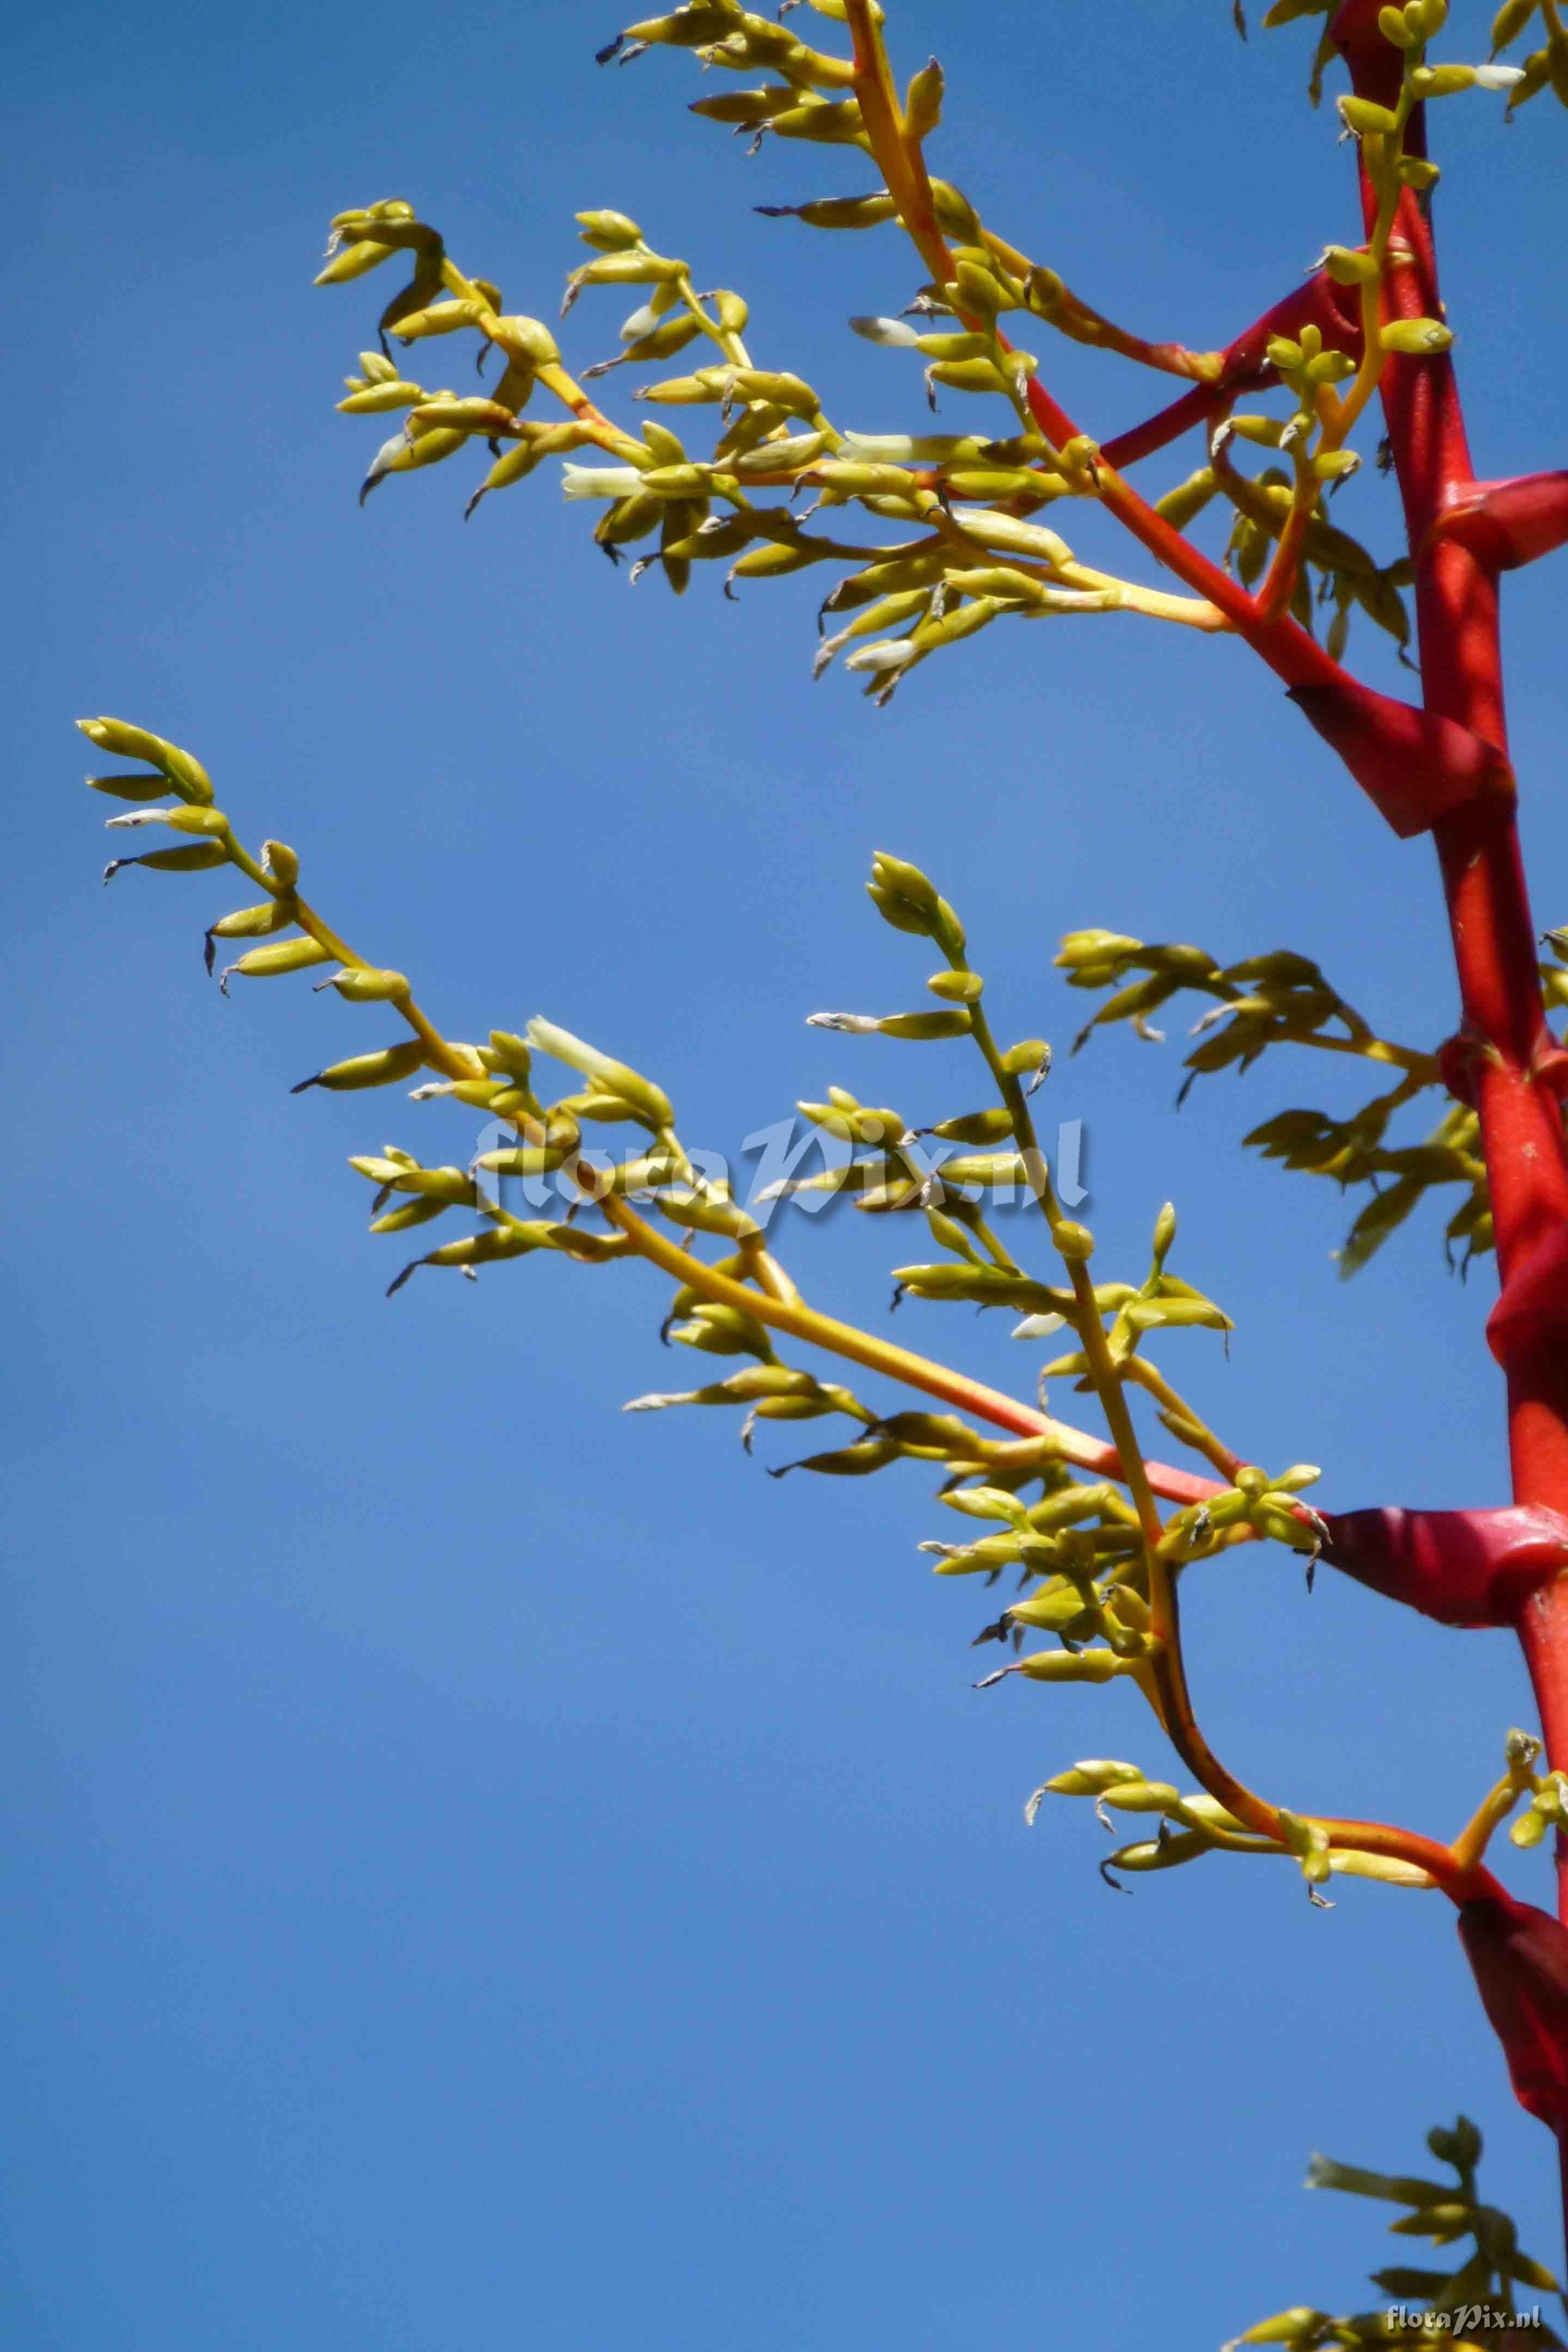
(1505, 524)
(1414, 766)
(1520, 1959)
(1463, 1567)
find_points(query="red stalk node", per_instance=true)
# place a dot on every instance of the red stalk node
(1531, 1317)
(1414, 767)
(1462, 1567)
(1520, 1959)
(1244, 367)
(1506, 524)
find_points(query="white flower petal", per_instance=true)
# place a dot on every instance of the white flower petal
(890, 653)
(599, 481)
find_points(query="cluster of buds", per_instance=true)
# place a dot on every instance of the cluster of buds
(722, 33)
(1333, 568)
(1188, 1827)
(1282, 998)
(977, 556)
(1476, 2304)
(1406, 30)
(1545, 68)
(1088, 1559)
(706, 509)
(972, 551)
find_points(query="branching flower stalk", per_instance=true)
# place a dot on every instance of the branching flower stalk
(1101, 1535)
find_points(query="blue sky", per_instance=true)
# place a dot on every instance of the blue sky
(489, 1871)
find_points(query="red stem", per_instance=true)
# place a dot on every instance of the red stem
(1245, 367)
(1288, 651)
(1493, 933)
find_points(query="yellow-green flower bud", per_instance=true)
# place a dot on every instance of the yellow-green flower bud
(919, 1028)
(1014, 536)
(836, 212)
(253, 922)
(923, 102)
(1182, 505)
(352, 261)
(186, 775)
(650, 1102)
(510, 1053)
(624, 269)
(1416, 338)
(193, 858)
(411, 1212)
(249, 923)
(269, 963)
(403, 456)
(722, 1330)
(707, 1212)
(521, 1160)
(610, 232)
(364, 984)
(1090, 1777)
(655, 342)
(481, 1249)
(1297, 2325)
(1079, 950)
(1069, 1666)
(1140, 1796)
(975, 1127)
(852, 1123)
(956, 217)
(1510, 21)
(1053, 1610)
(380, 398)
(683, 481)
(383, 1069)
(790, 393)
(210, 823)
(439, 319)
(975, 290)
(474, 1094)
(970, 376)
(1442, 81)
(129, 787)
(958, 987)
(909, 901)
(1365, 118)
